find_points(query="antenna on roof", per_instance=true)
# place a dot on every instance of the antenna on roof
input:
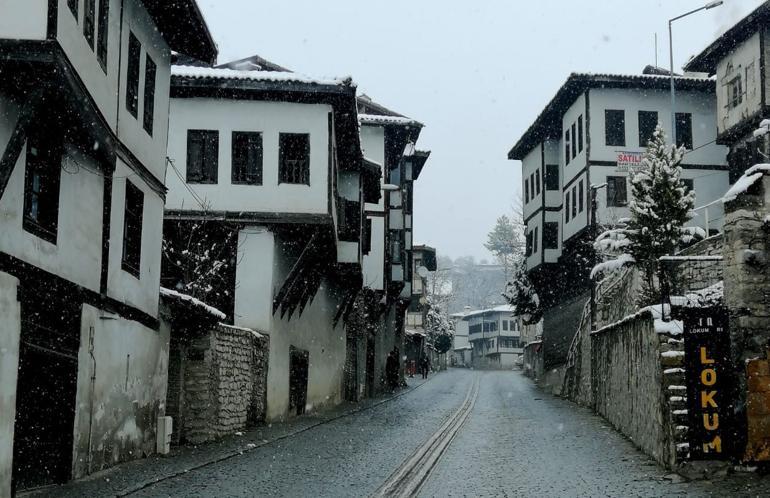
(656, 49)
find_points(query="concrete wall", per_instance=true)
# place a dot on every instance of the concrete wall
(128, 393)
(10, 322)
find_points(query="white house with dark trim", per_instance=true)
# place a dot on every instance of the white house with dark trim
(593, 131)
(84, 93)
(389, 140)
(495, 336)
(275, 158)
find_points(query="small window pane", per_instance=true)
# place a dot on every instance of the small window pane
(574, 141)
(104, 26)
(202, 156)
(149, 95)
(132, 76)
(615, 127)
(247, 158)
(580, 196)
(580, 133)
(617, 195)
(294, 158)
(132, 229)
(41, 192)
(550, 236)
(552, 177)
(684, 130)
(648, 121)
(89, 20)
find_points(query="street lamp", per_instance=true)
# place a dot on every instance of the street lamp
(708, 6)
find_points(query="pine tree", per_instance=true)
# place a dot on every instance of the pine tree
(521, 294)
(505, 242)
(660, 206)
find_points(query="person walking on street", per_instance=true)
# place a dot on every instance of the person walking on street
(424, 365)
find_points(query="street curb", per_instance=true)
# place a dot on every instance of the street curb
(247, 449)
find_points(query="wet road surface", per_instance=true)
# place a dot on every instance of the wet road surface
(515, 441)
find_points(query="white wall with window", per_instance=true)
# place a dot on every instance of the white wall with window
(574, 143)
(575, 213)
(532, 180)
(615, 123)
(237, 152)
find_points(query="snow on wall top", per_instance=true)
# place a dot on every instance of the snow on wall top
(168, 293)
(265, 76)
(376, 119)
(748, 179)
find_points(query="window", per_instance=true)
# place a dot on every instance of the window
(41, 188)
(104, 26)
(89, 20)
(617, 195)
(492, 326)
(132, 229)
(528, 247)
(734, 92)
(532, 186)
(294, 158)
(534, 241)
(366, 246)
(202, 156)
(247, 158)
(566, 148)
(581, 195)
(615, 127)
(574, 201)
(580, 133)
(684, 130)
(537, 180)
(132, 76)
(505, 324)
(648, 120)
(689, 184)
(150, 71)
(73, 5)
(526, 189)
(552, 177)
(550, 235)
(574, 141)
(566, 209)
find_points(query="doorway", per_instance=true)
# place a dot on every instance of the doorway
(45, 391)
(299, 363)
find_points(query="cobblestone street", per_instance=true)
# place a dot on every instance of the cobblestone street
(516, 442)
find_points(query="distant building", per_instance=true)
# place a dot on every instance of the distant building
(461, 346)
(423, 262)
(495, 336)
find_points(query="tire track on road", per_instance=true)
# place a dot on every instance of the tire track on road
(410, 476)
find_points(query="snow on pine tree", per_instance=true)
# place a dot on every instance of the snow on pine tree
(660, 206)
(520, 293)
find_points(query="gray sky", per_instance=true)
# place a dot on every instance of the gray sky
(477, 73)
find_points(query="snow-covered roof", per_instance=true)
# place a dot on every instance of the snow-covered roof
(263, 76)
(505, 308)
(172, 294)
(548, 123)
(376, 119)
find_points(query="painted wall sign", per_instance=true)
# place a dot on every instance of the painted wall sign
(628, 160)
(707, 367)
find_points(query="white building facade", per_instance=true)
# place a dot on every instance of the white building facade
(495, 337)
(276, 157)
(83, 136)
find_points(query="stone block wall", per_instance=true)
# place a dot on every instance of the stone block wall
(636, 384)
(219, 383)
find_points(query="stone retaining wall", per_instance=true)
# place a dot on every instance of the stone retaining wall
(637, 380)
